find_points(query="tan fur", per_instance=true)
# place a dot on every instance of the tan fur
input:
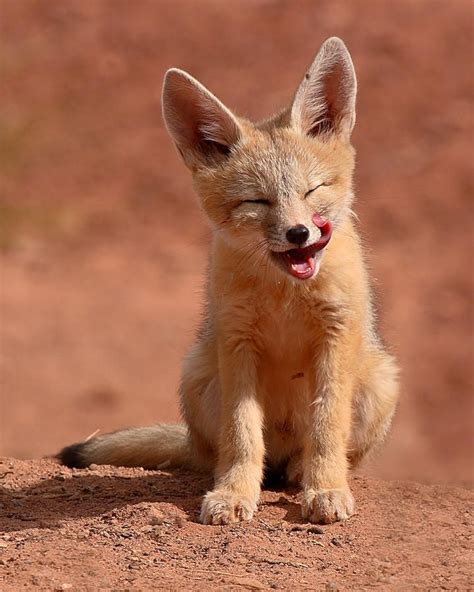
(152, 447)
(284, 371)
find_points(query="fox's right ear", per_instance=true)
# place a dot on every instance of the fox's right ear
(203, 129)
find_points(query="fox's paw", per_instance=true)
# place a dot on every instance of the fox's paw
(222, 507)
(327, 505)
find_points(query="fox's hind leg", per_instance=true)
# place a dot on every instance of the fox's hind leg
(374, 405)
(200, 404)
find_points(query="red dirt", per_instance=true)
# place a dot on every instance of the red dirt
(124, 529)
(103, 254)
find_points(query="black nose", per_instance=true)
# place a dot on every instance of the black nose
(297, 234)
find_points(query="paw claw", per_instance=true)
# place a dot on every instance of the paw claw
(325, 506)
(219, 508)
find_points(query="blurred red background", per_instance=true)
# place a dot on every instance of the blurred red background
(102, 246)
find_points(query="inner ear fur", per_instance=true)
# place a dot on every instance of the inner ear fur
(325, 100)
(203, 129)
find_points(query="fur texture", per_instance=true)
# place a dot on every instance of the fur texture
(287, 370)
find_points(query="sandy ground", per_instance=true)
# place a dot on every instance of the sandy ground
(102, 245)
(127, 529)
(102, 259)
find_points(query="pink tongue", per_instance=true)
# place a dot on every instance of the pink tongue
(302, 268)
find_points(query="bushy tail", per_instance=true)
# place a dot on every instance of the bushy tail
(151, 447)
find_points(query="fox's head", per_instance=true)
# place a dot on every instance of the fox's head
(281, 187)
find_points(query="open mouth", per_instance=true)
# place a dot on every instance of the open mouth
(303, 263)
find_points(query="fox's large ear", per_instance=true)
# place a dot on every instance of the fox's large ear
(203, 129)
(325, 100)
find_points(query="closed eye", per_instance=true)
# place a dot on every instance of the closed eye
(317, 187)
(257, 201)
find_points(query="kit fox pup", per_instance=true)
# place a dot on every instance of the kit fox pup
(287, 372)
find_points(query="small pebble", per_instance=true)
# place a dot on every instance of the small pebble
(316, 530)
(297, 528)
(180, 521)
(156, 517)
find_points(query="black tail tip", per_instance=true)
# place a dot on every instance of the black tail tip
(73, 456)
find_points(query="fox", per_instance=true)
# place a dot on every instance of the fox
(288, 375)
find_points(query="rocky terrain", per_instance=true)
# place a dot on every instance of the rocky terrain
(125, 529)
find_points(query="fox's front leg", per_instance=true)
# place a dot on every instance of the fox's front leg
(326, 494)
(241, 449)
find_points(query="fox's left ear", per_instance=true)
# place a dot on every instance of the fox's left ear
(325, 100)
